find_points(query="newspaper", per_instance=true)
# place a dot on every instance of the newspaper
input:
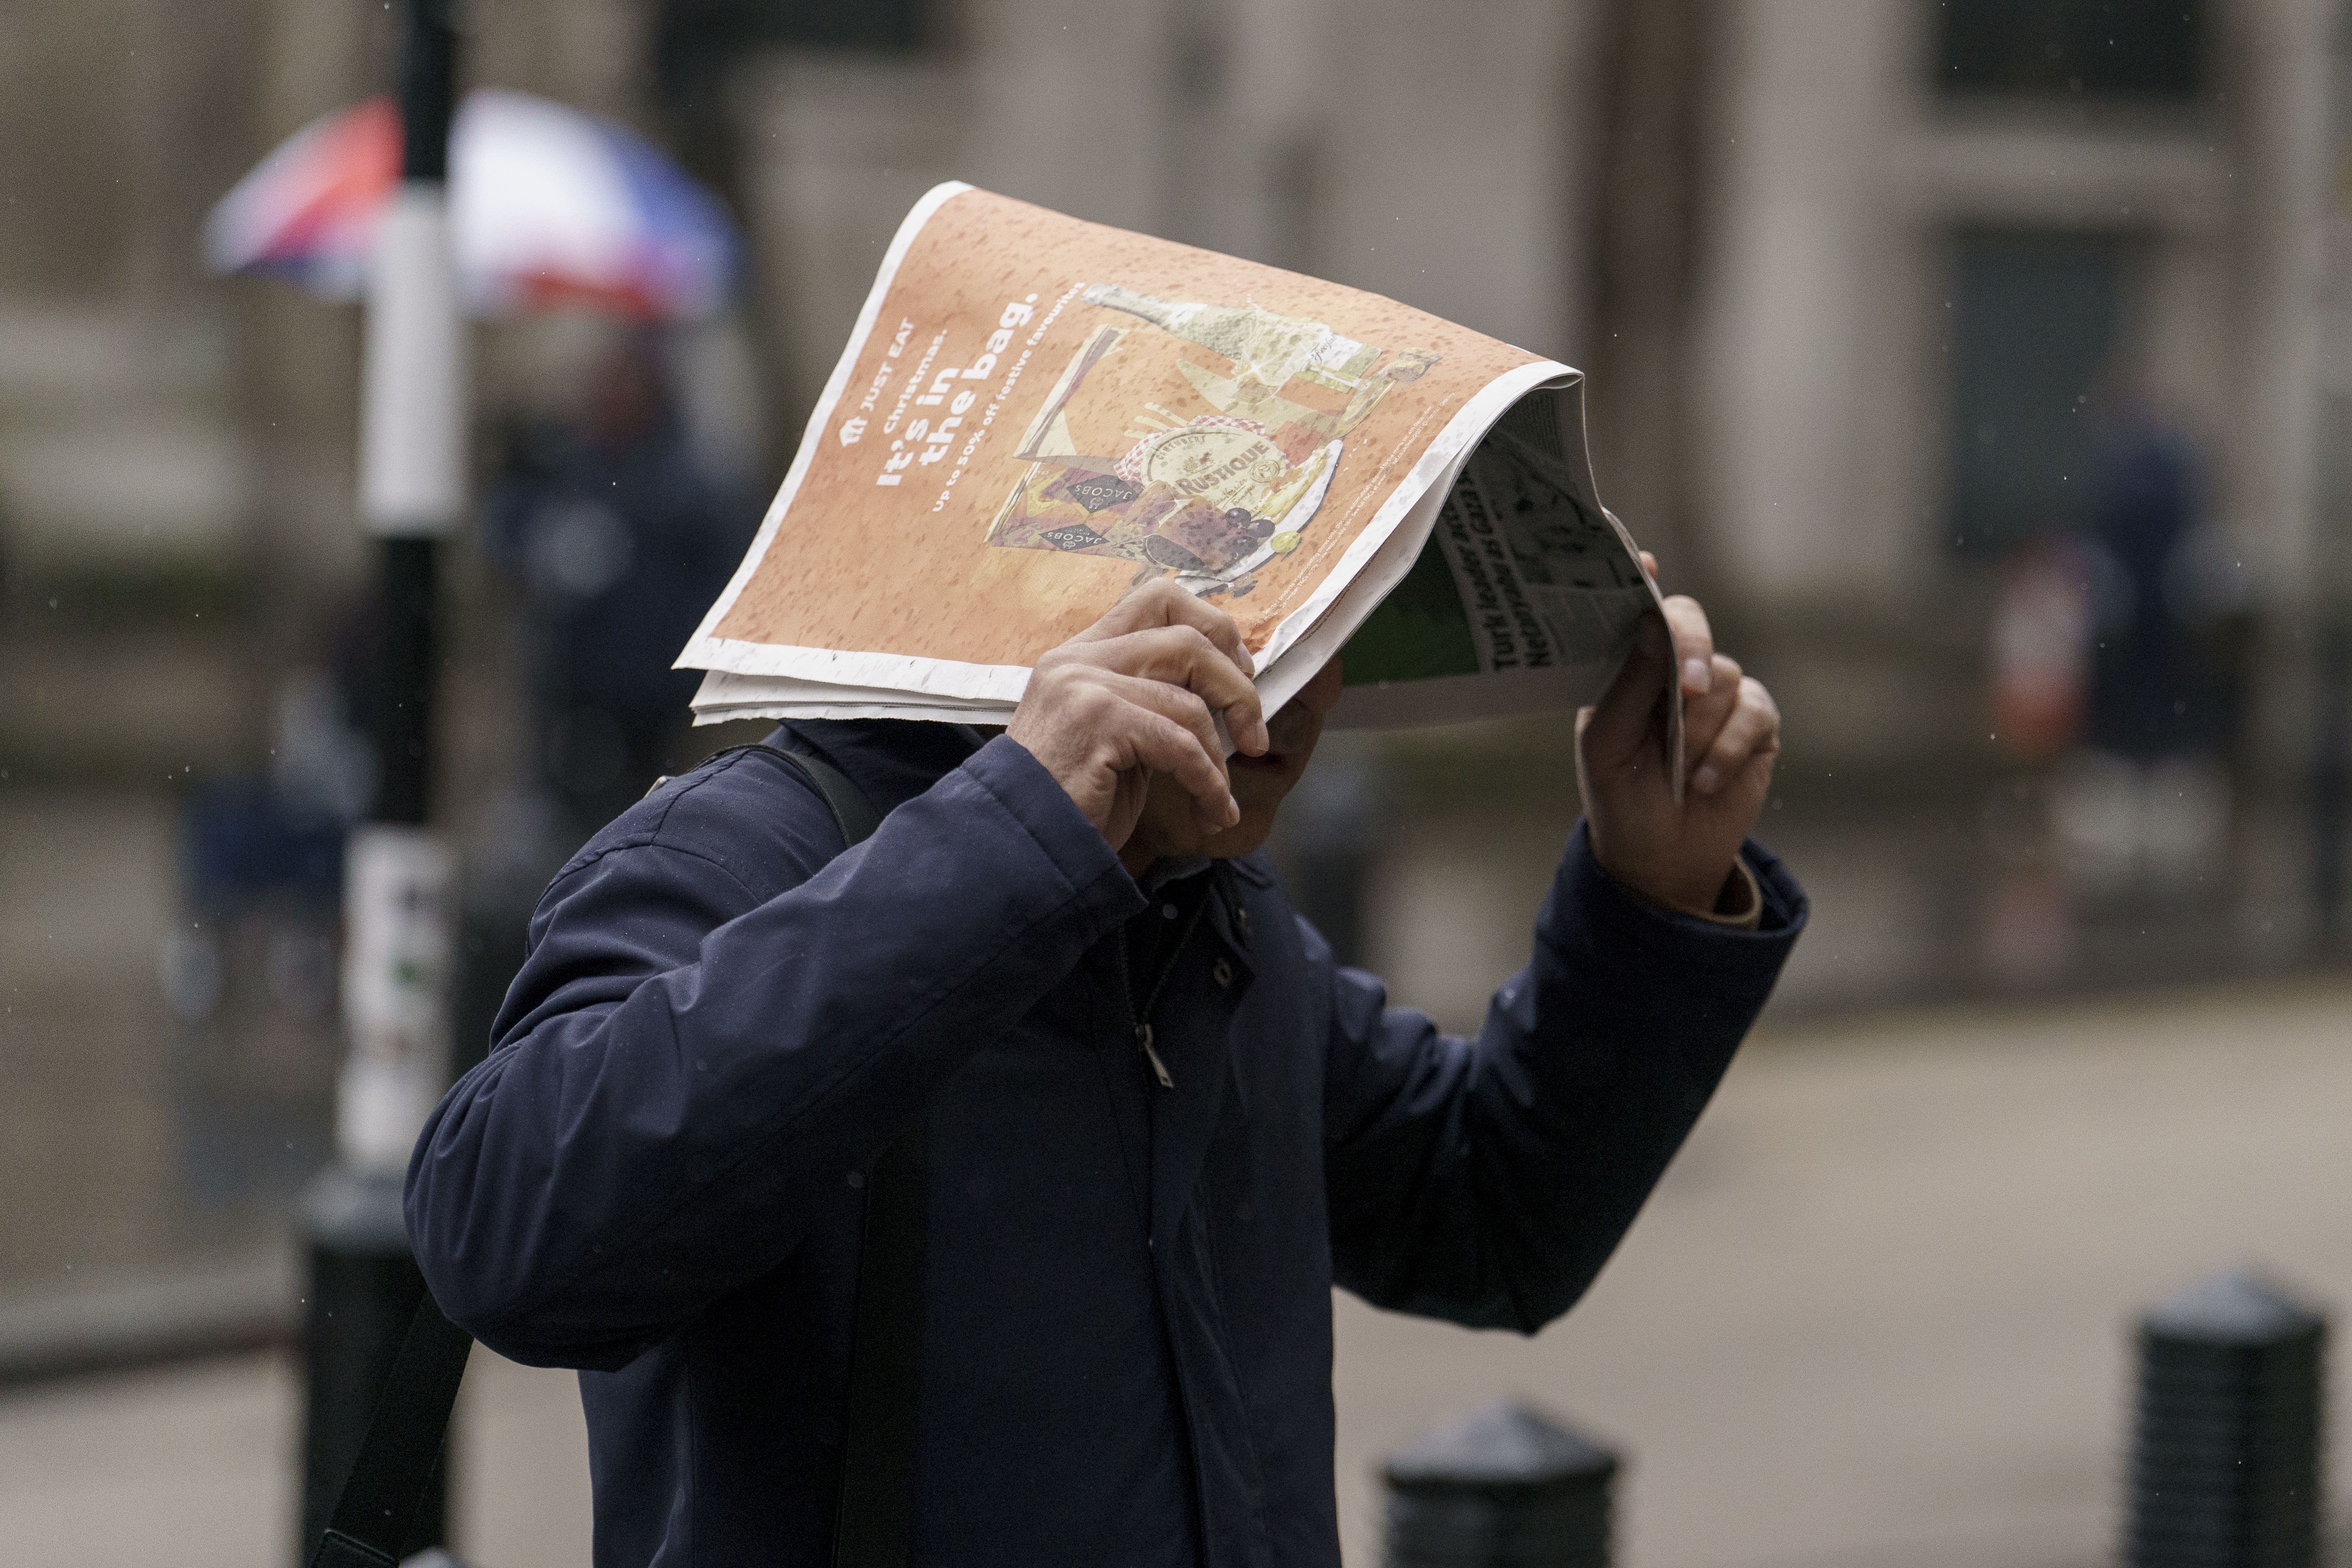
(1035, 413)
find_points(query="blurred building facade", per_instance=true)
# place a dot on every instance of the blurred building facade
(178, 492)
(181, 574)
(1852, 279)
(1945, 235)
(1849, 275)
(1778, 236)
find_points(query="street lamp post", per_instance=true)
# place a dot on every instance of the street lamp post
(363, 1281)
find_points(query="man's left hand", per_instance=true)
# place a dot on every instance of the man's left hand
(1680, 857)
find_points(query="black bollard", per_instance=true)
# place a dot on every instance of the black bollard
(2225, 1449)
(1505, 1489)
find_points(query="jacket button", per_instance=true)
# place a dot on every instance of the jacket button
(1241, 923)
(1223, 974)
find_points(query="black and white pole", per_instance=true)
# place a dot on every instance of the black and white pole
(2226, 1436)
(398, 873)
(1505, 1487)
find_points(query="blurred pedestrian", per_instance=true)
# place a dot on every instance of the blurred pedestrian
(2040, 647)
(2144, 808)
(2155, 694)
(618, 538)
(248, 970)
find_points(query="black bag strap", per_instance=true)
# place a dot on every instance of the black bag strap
(377, 1514)
(852, 812)
(377, 1511)
(873, 1523)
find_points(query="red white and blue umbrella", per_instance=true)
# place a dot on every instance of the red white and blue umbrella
(548, 206)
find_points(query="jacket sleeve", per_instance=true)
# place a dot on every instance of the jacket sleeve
(704, 1035)
(1487, 1181)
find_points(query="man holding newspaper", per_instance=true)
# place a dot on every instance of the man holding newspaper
(938, 1145)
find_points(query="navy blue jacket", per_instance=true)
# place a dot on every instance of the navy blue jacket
(1127, 1344)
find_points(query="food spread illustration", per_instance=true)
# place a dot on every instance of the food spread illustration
(1194, 440)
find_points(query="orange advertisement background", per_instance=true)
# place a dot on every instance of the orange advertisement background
(858, 567)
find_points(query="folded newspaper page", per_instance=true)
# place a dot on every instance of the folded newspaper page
(1035, 413)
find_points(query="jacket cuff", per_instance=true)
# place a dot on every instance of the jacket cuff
(1592, 910)
(1018, 782)
(1741, 893)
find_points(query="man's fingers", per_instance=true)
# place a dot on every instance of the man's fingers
(1183, 706)
(1752, 730)
(1140, 692)
(1152, 604)
(1163, 606)
(1185, 657)
(1618, 726)
(1694, 643)
(1161, 603)
(1148, 738)
(1704, 715)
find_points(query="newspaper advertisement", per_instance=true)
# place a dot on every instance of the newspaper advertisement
(1035, 413)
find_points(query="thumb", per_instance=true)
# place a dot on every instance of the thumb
(1620, 726)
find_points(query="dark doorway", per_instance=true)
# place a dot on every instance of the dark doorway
(2149, 49)
(2035, 316)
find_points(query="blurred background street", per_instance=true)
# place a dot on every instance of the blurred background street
(1980, 363)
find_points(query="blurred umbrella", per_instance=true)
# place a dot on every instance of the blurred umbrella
(550, 206)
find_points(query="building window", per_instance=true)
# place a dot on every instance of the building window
(2036, 318)
(692, 38)
(881, 27)
(696, 42)
(2144, 49)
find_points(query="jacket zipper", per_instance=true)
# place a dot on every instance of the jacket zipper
(1159, 1068)
(1141, 1022)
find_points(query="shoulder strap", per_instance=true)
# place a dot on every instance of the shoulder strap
(376, 1515)
(377, 1509)
(872, 1525)
(852, 812)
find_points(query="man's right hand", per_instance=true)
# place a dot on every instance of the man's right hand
(1133, 695)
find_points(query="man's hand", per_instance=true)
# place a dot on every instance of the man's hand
(1679, 856)
(1133, 695)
